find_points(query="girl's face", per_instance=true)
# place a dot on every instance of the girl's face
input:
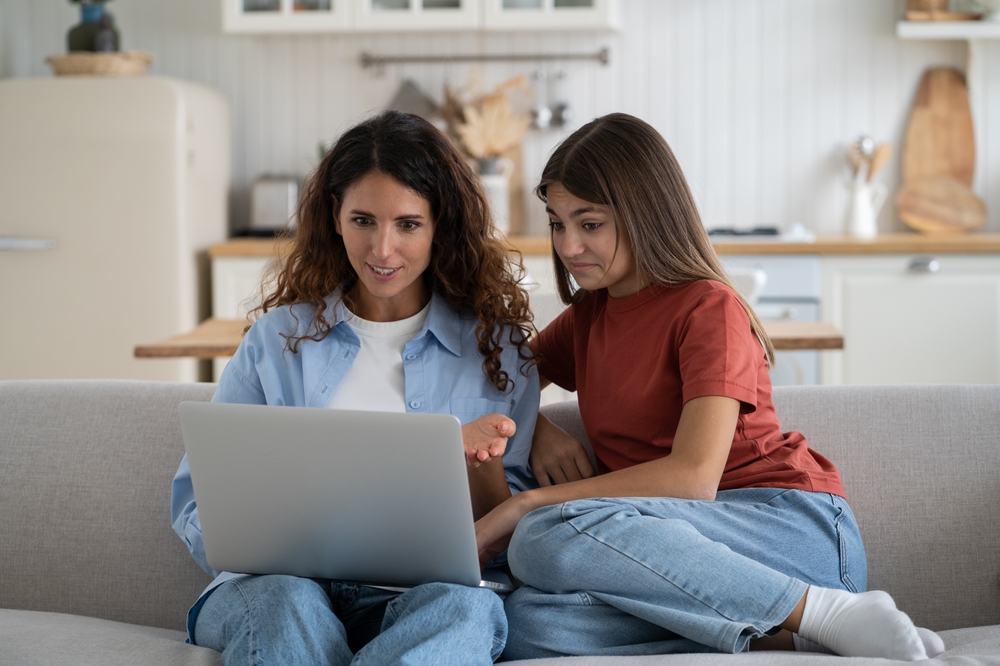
(584, 237)
(387, 231)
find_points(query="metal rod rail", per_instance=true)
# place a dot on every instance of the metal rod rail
(369, 60)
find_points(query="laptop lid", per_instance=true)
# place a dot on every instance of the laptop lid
(371, 497)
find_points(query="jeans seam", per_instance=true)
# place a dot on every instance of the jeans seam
(845, 577)
(250, 621)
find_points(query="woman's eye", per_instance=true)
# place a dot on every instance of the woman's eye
(361, 221)
(409, 225)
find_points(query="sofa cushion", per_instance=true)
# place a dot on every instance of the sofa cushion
(31, 638)
(85, 475)
(921, 468)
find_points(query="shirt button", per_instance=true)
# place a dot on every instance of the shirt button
(410, 357)
(414, 404)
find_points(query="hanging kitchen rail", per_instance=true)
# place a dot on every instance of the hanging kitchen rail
(369, 60)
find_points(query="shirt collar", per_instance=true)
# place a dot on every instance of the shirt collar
(443, 322)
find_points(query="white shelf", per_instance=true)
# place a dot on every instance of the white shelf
(948, 29)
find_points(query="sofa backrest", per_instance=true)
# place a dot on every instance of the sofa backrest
(85, 475)
(921, 468)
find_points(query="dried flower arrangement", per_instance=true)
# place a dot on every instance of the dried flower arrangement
(488, 124)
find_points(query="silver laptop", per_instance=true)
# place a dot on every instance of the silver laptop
(372, 497)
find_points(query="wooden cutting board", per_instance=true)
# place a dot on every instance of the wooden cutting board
(939, 138)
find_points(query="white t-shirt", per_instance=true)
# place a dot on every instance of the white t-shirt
(375, 380)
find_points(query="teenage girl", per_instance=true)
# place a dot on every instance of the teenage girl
(708, 528)
(397, 296)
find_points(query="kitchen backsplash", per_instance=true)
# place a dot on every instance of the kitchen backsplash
(758, 98)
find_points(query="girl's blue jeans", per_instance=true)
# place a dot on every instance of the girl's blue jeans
(631, 576)
(276, 620)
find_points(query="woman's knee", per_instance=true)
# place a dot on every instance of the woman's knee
(243, 604)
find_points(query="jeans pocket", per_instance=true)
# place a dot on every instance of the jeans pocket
(853, 562)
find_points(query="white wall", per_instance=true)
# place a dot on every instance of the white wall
(757, 97)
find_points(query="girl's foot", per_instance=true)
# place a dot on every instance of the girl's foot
(864, 625)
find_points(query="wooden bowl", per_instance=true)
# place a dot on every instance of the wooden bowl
(940, 205)
(85, 63)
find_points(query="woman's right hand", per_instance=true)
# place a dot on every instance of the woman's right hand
(486, 438)
(556, 457)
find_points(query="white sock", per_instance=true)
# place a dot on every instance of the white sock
(860, 625)
(932, 642)
(806, 645)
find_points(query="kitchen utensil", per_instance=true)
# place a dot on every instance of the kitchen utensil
(940, 204)
(881, 156)
(939, 138)
(866, 201)
(855, 160)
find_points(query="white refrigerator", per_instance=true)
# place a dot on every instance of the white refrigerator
(111, 192)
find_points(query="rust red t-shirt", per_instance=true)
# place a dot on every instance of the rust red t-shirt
(636, 361)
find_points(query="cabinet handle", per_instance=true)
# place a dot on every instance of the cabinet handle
(924, 265)
(15, 243)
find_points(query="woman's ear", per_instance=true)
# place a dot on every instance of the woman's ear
(336, 217)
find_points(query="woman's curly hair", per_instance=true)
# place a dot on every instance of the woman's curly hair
(471, 267)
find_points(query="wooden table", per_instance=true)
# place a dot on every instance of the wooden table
(220, 337)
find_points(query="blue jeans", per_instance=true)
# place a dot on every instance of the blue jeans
(276, 620)
(632, 576)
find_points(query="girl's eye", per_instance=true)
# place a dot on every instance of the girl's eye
(556, 226)
(591, 226)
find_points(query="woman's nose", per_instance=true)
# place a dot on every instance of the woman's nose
(384, 244)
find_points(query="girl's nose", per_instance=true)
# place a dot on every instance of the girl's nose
(570, 244)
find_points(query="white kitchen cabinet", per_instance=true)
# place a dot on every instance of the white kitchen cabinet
(550, 14)
(913, 319)
(271, 16)
(278, 16)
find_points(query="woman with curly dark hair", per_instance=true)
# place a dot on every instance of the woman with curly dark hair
(396, 296)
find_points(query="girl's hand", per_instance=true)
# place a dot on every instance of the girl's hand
(494, 530)
(556, 457)
(486, 438)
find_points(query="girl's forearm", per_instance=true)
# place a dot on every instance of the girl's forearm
(665, 477)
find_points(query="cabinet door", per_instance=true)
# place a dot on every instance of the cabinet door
(551, 15)
(275, 16)
(912, 319)
(406, 15)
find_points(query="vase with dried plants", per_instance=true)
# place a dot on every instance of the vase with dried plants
(489, 127)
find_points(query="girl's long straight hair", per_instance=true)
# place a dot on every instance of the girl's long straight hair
(622, 162)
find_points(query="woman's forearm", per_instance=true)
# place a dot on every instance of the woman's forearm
(488, 487)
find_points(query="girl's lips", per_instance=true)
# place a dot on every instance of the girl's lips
(580, 267)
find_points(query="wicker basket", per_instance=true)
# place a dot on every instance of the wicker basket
(85, 63)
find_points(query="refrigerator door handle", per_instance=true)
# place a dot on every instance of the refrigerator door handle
(15, 243)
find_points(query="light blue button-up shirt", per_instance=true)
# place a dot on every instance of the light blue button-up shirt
(442, 370)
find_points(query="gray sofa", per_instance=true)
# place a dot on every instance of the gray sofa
(91, 572)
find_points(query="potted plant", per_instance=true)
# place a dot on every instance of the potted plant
(96, 30)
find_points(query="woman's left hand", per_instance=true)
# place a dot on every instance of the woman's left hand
(486, 438)
(494, 530)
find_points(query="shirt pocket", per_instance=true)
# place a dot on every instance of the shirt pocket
(470, 409)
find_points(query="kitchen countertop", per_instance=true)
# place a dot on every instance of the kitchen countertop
(220, 337)
(895, 243)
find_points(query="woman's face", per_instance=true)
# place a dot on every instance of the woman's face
(583, 235)
(387, 231)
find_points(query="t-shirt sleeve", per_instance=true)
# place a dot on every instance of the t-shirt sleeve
(556, 346)
(718, 353)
